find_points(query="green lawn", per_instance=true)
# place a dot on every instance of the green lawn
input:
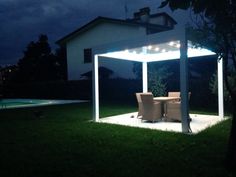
(63, 143)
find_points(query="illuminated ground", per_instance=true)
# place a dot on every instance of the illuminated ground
(199, 122)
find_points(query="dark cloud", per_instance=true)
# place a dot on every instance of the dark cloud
(23, 21)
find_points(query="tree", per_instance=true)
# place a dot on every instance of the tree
(215, 27)
(214, 85)
(157, 77)
(61, 63)
(39, 63)
(158, 74)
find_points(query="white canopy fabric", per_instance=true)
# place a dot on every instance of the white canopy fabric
(158, 52)
(168, 45)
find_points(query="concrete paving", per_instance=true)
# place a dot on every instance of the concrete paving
(199, 122)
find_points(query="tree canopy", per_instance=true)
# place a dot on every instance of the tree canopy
(39, 63)
(215, 27)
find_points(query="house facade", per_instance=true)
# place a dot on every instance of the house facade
(102, 31)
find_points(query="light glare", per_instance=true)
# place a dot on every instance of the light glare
(171, 43)
(157, 49)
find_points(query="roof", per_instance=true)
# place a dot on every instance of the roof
(100, 19)
(164, 14)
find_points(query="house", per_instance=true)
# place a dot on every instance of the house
(102, 31)
(7, 73)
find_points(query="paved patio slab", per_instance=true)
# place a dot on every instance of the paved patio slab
(199, 122)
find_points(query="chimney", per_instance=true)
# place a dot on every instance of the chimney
(145, 10)
(142, 15)
(136, 15)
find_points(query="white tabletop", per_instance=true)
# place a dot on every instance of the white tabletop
(165, 98)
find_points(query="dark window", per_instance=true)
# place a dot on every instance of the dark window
(88, 55)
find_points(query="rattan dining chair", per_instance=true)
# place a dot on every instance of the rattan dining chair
(174, 94)
(173, 110)
(140, 105)
(151, 109)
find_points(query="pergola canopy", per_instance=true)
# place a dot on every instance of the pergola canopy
(167, 45)
(157, 52)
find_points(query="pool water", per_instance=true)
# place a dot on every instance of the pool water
(21, 103)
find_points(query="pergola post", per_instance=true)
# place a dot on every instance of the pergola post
(220, 87)
(95, 89)
(184, 84)
(145, 77)
(144, 72)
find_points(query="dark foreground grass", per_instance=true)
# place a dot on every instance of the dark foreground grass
(62, 143)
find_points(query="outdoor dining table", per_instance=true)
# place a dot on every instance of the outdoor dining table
(163, 100)
(166, 98)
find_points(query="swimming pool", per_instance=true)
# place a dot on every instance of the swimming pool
(22, 103)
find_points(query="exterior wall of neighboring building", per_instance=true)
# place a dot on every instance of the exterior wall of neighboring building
(161, 20)
(102, 33)
(157, 20)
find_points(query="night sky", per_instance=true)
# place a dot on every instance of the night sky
(22, 21)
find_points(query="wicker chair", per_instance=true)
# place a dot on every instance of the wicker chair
(140, 105)
(174, 94)
(151, 109)
(173, 110)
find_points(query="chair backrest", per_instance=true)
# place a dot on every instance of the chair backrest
(147, 100)
(177, 94)
(173, 94)
(189, 94)
(138, 97)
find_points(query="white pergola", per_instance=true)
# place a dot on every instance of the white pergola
(168, 45)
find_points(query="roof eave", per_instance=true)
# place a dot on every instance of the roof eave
(97, 20)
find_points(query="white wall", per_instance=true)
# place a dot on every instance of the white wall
(100, 34)
(157, 20)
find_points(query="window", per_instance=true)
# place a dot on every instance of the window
(88, 55)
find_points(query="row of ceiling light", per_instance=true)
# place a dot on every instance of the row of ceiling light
(175, 44)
